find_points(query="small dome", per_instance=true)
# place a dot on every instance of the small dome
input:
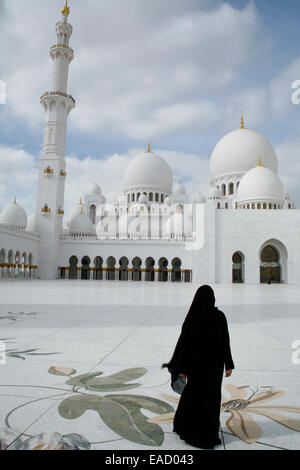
(199, 198)
(14, 216)
(96, 189)
(31, 223)
(148, 170)
(81, 223)
(214, 193)
(237, 153)
(143, 199)
(179, 189)
(260, 184)
(74, 211)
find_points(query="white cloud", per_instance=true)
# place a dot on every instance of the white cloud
(18, 178)
(136, 76)
(288, 153)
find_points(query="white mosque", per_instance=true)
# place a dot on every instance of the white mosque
(246, 231)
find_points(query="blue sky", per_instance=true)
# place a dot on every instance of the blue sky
(177, 72)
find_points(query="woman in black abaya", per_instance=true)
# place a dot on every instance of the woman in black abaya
(201, 353)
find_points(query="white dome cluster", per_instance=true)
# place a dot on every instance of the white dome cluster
(14, 216)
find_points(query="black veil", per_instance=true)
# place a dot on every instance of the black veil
(199, 316)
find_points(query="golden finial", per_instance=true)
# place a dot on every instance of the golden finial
(259, 161)
(149, 146)
(66, 10)
(81, 202)
(242, 120)
(15, 201)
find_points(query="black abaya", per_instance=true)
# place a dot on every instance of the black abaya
(202, 351)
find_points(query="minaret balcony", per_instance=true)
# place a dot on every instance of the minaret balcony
(45, 210)
(61, 212)
(57, 93)
(63, 173)
(56, 46)
(48, 171)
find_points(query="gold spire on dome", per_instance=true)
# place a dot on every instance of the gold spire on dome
(149, 146)
(15, 201)
(242, 120)
(259, 162)
(66, 10)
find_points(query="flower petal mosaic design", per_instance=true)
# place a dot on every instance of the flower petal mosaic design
(244, 401)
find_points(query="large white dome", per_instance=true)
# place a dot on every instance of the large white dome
(260, 184)
(14, 216)
(81, 224)
(148, 170)
(238, 151)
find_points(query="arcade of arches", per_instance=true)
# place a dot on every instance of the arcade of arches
(164, 271)
(16, 264)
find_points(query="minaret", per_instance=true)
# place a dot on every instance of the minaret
(52, 174)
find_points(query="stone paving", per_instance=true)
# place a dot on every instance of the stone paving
(80, 365)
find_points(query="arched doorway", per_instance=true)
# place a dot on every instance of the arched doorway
(98, 271)
(18, 264)
(111, 270)
(10, 260)
(270, 267)
(176, 270)
(150, 273)
(92, 213)
(163, 270)
(136, 269)
(85, 268)
(73, 262)
(237, 268)
(30, 264)
(123, 273)
(2, 262)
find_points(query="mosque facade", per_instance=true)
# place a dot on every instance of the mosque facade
(246, 229)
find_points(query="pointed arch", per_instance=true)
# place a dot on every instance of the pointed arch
(273, 257)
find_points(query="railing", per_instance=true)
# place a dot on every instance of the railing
(59, 93)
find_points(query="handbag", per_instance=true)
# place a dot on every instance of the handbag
(179, 384)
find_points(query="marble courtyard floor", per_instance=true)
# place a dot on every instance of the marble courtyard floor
(82, 365)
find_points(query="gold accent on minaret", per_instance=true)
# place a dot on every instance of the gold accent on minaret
(15, 201)
(149, 146)
(66, 10)
(242, 120)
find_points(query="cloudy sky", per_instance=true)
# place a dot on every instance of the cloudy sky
(177, 72)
